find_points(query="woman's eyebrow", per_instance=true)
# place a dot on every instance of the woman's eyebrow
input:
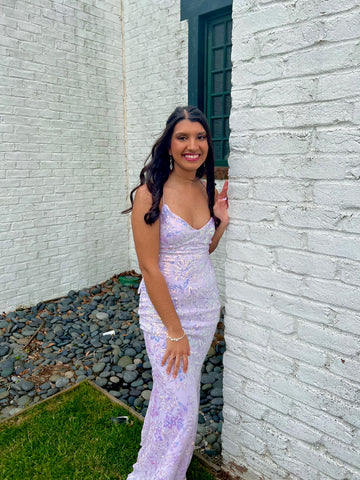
(187, 133)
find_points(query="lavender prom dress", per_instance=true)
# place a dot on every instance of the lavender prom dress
(169, 431)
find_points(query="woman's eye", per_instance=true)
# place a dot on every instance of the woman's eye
(202, 137)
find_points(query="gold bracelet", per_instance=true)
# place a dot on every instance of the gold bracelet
(175, 339)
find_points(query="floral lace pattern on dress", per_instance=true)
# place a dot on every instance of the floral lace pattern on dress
(169, 431)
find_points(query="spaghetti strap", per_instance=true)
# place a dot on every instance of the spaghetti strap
(163, 200)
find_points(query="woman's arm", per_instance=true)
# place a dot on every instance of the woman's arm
(147, 245)
(220, 211)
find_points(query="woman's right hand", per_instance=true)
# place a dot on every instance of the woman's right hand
(221, 204)
(175, 353)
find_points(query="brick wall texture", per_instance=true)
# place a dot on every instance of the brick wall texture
(292, 370)
(85, 88)
(156, 77)
(156, 66)
(62, 172)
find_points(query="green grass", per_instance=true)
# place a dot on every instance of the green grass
(72, 437)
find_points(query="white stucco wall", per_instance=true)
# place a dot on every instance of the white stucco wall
(291, 383)
(62, 171)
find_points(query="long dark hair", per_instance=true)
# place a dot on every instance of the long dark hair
(157, 170)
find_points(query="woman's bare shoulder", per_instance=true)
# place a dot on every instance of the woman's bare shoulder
(143, 195)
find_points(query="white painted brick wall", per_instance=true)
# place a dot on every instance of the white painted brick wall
(63, 178)
(292, 369)
(156, 45)
(67, 164)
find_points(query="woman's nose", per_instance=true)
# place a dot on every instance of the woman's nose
(192, 145)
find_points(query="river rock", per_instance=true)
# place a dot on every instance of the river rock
(216, 392)
(25, 385)
(124, 361)
(146, 394)
(7, 367)
(4, 350)
(130, 376)
(99, 367)
(102, 316)
(61, 382)
(23, 401)
(73, 336)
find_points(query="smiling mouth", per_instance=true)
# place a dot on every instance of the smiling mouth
(192, 157)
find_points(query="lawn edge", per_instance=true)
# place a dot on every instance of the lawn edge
(202, 459)
(30, 407)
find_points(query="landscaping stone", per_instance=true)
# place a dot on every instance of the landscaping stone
(4, 350)
(130, 376)
(216, 392)
(61, 382)
(27, 331)
(4, 394)
(130, 352)
(101, 382)
(146, 394)
(25, 385)
(7, 367)
(131, 367)
(124, 361)
(99, 367)
(71, 347)
(23, 401)
(211, 438)
(216, 447)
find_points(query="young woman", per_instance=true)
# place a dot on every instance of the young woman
(177, 221)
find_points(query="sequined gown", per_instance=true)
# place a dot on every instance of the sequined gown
(169, 430)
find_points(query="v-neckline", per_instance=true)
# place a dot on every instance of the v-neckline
(184, 221)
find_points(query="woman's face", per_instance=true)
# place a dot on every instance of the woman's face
(189, 145)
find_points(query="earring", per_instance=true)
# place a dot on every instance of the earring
(171, 161)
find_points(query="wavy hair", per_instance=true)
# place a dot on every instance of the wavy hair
(158, 164)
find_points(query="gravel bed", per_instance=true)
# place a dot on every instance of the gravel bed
(94, 333)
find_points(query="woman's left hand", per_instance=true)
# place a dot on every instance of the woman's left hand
(221, 204)
(175, 353)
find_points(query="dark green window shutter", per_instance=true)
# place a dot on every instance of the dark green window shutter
(218, 83)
